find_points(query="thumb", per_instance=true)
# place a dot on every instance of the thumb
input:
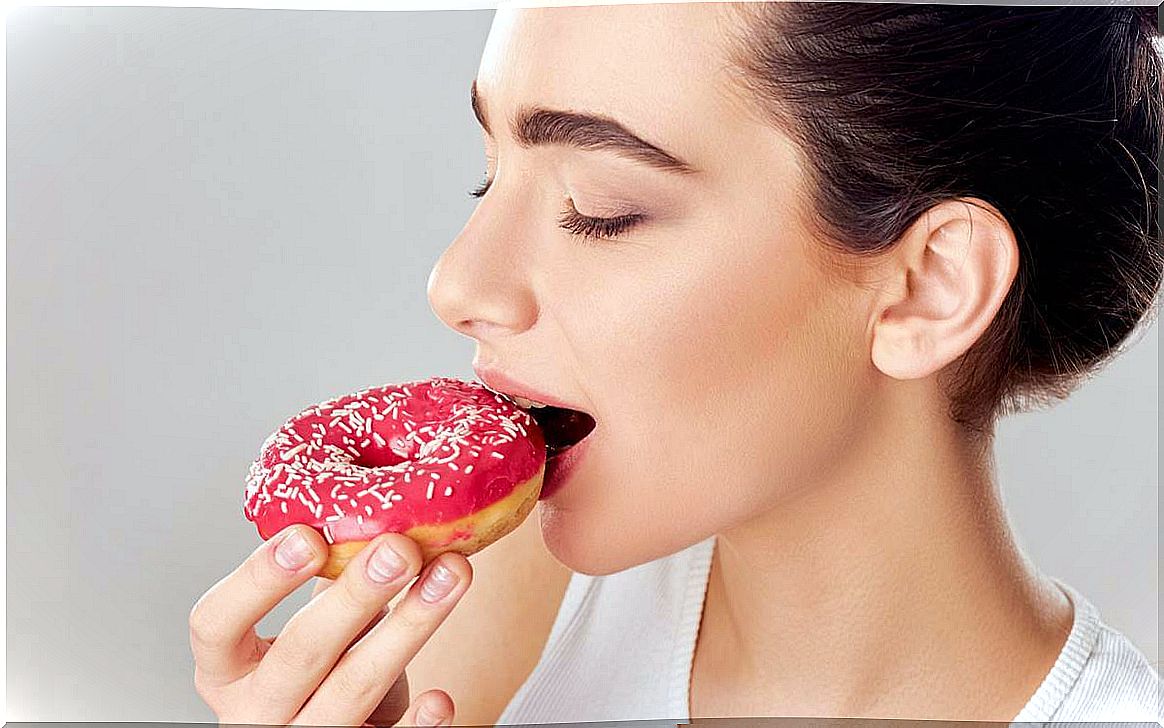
(432, 707)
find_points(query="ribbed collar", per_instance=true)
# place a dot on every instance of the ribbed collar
(1068, 666)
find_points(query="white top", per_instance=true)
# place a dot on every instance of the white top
(621, 649)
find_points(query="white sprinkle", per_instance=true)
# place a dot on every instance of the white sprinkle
(453, 466)
(497, 455)
(291, 453)
(448, 490)
(468, 469)
(397, 496)
(429, 495)
(379, 440)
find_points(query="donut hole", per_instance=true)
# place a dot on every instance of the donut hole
(378, 458)
(394, 451)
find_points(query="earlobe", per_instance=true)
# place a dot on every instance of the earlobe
(953, 269)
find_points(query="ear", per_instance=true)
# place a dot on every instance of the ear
(950, 274)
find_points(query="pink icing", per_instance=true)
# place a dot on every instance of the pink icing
(392, 457)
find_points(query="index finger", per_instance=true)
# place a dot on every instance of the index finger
(222, 621)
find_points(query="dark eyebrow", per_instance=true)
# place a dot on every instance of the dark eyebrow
(535, 125)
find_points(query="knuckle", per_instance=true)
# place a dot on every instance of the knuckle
(201, 684)
(205, 631)
(409, 620)
(195, 619)
(353, 683)
(352, 598)
(292, 658)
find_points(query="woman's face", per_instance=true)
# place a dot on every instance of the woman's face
(724, 365)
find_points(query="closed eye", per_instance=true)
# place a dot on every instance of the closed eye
(589, 229)
(596, 228)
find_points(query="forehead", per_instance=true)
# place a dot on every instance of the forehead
(660, 69)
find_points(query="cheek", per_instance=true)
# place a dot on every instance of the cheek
(750, 369)
(721, 375)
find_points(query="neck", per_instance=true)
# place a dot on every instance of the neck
(881, 591)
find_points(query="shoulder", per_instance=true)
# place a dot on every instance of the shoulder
(491, 640)
(1116, 683)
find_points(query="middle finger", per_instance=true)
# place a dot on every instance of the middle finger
(369, 668)
(315, 637)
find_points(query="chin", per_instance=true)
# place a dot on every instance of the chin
(577, 544)
(597, 548)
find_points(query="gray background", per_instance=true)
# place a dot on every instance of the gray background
(219, 216)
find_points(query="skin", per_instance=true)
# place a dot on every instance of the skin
(340, 659)
(746, 386)
(719, 303)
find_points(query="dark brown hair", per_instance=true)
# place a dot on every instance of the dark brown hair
(1050, 114)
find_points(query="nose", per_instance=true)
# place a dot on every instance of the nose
(479, 286)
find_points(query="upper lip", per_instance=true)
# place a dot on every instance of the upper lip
(502, 383)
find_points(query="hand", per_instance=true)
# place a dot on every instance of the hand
(339, 660)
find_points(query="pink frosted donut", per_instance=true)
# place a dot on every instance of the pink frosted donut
(449, 463)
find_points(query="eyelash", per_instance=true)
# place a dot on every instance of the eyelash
(590, 229)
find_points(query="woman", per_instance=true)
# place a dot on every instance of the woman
(795, 260)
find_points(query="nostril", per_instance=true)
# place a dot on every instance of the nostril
(483, 328)
(466, 327)
(481, 295)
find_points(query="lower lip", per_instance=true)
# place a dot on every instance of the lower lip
(558, 468)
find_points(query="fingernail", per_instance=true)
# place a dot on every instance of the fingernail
(439, 582)
(385, 564)
(423, 717)
(293, 551)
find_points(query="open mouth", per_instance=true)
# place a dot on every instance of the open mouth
(563, 428)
